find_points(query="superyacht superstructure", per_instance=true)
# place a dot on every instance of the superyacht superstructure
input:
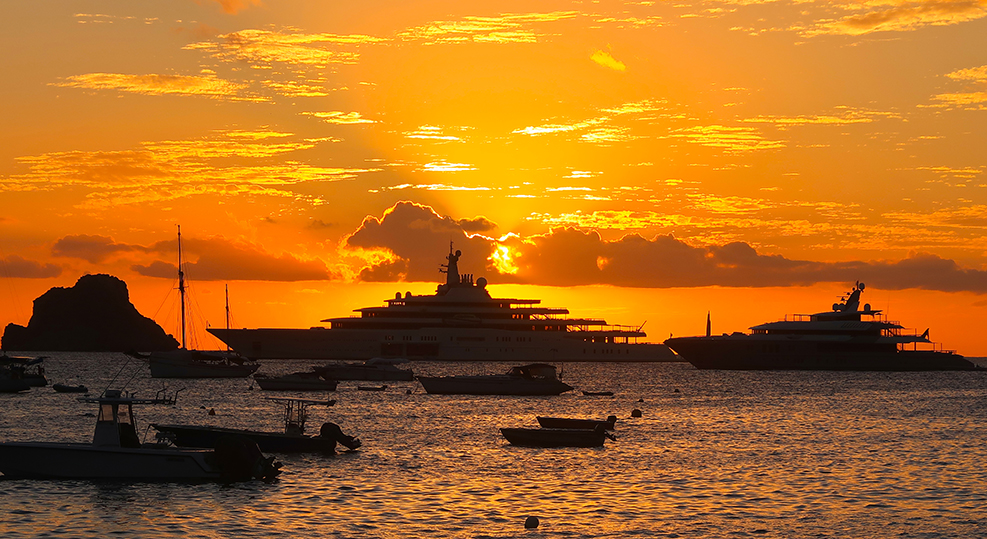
(837, 340)
(460, 322)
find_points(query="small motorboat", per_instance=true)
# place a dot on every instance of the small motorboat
(116, 452)
(292, 440)
(296, 381)
(597, 393)
(62, 388)
(371, 388)
(376, 369)
(534, 379)
(557, 437)
(583, 424)
(23, 370)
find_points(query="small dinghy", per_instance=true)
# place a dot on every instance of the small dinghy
(570, 423)
(597, 393)
(62, 388)
(557, 437)
(371, 388)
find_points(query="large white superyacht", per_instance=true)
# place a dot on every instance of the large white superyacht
(460, 322)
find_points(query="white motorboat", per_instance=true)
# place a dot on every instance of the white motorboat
(534, 379)
(116, 452)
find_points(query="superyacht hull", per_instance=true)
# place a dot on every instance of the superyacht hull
(746, 353)
(439, 344)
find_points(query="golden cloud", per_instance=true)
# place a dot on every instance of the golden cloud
(339, 117)
(605, 59)
(167, 170)
(901, 16)
(730, 139)
(198, 85)
(264, 47)
(507, 28)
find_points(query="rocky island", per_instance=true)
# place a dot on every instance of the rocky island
(95, 315)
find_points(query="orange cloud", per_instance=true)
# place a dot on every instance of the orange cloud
(264, 47)
(233, 6)
(507, 28)
(93, 249)
(197, 85)
(219, 259)
(17, 267)
(902, 16)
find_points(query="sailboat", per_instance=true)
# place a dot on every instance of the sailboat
(186, 363)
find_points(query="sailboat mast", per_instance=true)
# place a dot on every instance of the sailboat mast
(227, 313)
(181, 283)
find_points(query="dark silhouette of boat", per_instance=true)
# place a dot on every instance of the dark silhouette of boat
(597, 393)
(557, 437)
(191, 363)
(62, 388)
(376, 369)
(296, 381)
(116, 452)
(292, 440)
(571, 423)
(462, 321)
(838, 340)
(534, 379)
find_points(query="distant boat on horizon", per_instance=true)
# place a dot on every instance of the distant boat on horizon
(460, 322)
(836, 340)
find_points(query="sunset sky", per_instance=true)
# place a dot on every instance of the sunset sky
(635, 161)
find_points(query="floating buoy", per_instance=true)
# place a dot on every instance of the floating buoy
(641, 399)
(531, 522)
(212, 411)
(676, 390)
(635, 413)
(408, 392)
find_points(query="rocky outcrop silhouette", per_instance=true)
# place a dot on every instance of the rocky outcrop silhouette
(95, 315)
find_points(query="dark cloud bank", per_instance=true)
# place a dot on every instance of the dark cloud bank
(420, 237)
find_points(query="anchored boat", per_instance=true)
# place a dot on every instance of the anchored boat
(847, 338)
(460, 322)
(116, 452)
(292, 440)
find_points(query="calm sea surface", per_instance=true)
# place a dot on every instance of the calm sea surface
(716, 454)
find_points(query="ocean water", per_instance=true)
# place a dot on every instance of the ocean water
(715, 454)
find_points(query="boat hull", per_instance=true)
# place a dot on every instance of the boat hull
(183, 367)
(279, 384)
(742, 352)
(448, 344)
(554, 437)
(272, 442)
(491, 385)
(570, 423)
(40, 460)
(365, 373)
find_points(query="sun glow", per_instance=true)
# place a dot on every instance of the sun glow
(503, 259)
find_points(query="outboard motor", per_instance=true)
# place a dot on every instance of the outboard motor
(333, 432)
(240, 459)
